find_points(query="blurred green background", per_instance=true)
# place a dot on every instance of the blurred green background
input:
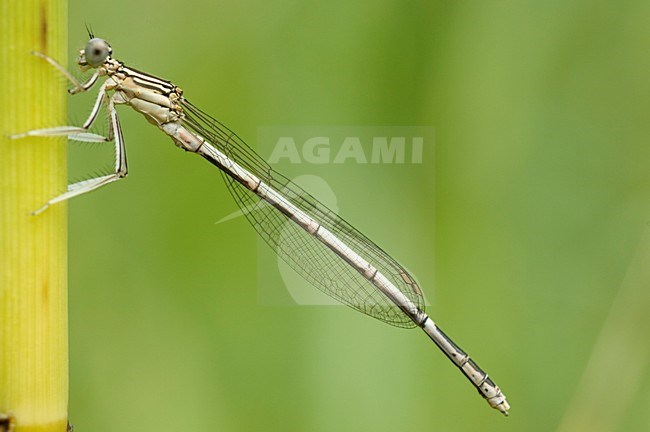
(527, 225)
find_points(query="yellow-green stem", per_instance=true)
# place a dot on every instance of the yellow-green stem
(33, 249)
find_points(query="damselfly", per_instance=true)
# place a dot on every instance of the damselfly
(316, 242)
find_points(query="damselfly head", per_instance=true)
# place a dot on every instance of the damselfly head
(95, 54)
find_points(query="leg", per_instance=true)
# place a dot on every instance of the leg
(74, 132)
(85, 186)
(78, 87)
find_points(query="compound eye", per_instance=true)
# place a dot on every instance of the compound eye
(97, 51)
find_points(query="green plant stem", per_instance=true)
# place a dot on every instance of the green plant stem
(33, 249)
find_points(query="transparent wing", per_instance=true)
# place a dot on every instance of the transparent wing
(301, 251)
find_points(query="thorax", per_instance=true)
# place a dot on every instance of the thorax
(157, 99)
